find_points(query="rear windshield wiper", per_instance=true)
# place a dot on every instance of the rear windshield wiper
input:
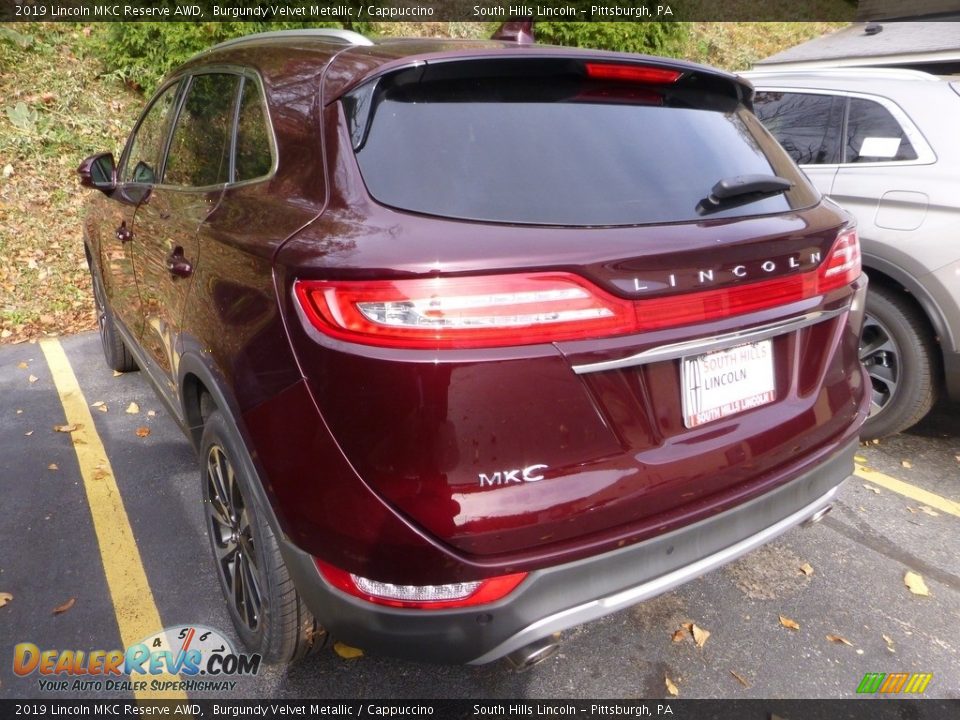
(741, 190)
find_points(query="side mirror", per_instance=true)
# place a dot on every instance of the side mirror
(99, 171)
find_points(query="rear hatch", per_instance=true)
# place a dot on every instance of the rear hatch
(507, 246)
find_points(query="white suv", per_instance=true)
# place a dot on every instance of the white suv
(883, 143)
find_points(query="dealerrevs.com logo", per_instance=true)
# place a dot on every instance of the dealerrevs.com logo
(202, 656)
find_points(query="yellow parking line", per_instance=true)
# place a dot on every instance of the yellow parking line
(911, 491)
(133, 604)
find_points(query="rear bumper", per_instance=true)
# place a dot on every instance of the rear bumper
(561, 597)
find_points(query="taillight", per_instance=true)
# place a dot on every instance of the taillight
(632, 73)
(842, 266)
(464, 312)
(422, 597)
(532, 308)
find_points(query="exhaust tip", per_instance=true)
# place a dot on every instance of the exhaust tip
(817, 516)
(533, 654)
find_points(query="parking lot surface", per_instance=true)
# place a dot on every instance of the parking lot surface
(102, 543)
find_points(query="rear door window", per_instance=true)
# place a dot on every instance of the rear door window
(874, 135)
(199, 153)
(554, 149)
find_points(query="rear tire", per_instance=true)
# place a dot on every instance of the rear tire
(265, 607)
(899, 353)
(115, 351)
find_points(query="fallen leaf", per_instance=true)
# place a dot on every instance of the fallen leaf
(671, 688)
(700, 636)
(806, 569)
(117, 373)
(839, 639)
(913, 510)
(889, 641)
(59, 609)
(5, 598)
(906, 464)
(53, 466)
(143, 431)
(347, 652)
(98, 404)
(740, 678)
(679, 635)
(151, 413)
(22, 365)
(133, 408)
(871, 488)
(859, 458)
(788, 623)
(929, 510)
(72, 427)
(99, 473)
(33, 378)
(19, 411)
(28, 433)
(915, 584)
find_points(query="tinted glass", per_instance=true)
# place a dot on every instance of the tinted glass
(253, 139)
(200, 148)
(537, 151)
(808, 126)
(146, 148)
(874, 135)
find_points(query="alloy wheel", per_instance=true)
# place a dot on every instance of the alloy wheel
(231, 526)
(881, 357)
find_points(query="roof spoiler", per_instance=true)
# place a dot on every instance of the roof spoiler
(518, 31)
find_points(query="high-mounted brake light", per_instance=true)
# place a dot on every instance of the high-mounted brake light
(533, 308)
(422, 597)
(632, 73)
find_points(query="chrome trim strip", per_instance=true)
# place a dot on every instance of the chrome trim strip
(612, 603)
(675, 351)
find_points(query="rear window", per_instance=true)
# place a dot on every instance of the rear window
(548, 146)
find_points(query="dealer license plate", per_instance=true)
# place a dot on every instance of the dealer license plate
(726, 382)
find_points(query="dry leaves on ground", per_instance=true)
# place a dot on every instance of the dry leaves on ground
(906, 464)
(871, 488)
(915, 584)
(33, 378)
(100, 405)
(69, 428)
(740, 678)
(691, 629)
(60, 609)
(347, 652)
(929, 511)
(22, 365)
(5, 597)
(788, 623)
(671, 686)
(889, 641)
(53, 466)
(133, 408)
(806, 569)
(839, 639)
(143, 431)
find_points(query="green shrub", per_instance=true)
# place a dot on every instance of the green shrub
(141, 53)
(652, 37)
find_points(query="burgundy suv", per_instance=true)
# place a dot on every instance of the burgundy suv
(475, 341)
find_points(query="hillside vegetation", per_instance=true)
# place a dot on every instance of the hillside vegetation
(63, 96)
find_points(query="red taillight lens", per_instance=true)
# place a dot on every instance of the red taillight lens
(532, 308)
(843, 263)
(422, 597)
(468, 312)
(632, 73)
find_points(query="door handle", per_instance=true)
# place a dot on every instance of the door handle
(178, 265)
(124, 234)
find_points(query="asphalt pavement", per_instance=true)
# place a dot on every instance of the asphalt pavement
(805, 617)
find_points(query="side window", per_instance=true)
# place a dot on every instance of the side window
(200, 149)
(253, 158)
(874, 135)
(807, 125)
(146, 146)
